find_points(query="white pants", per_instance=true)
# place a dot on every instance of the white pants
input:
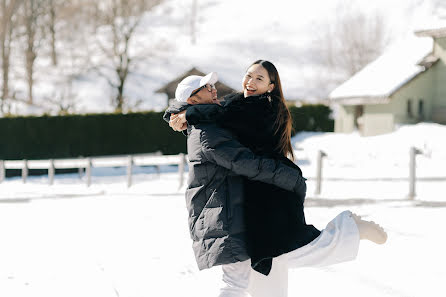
(338, 242)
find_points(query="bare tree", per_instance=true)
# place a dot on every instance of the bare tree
(362, 39)
(76, 22)
(64, 99)
(53, 8)
(118, 21)
(348, 43)
(33, 10)
(8, 20)
(66, 22)
(193, 22)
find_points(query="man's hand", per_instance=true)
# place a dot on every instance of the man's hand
(178, 121)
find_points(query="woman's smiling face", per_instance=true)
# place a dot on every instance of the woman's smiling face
(256, 81)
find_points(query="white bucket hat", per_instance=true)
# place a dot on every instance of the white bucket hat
(193, 82)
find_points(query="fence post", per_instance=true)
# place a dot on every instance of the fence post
(25, 171)
(412, 171)
(51, 171)
(81, 170)
(2, 171)
(320, 156)
(129, 170)
(88, 172)
(181, 166)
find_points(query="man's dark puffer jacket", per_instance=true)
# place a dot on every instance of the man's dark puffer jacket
(214, 196)
(274, 217)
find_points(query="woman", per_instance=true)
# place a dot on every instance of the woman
(275, 219)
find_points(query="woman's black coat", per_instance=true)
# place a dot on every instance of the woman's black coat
(275, 218)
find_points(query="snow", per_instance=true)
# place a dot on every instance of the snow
(109, 240)
(389, 151)
(389, 72)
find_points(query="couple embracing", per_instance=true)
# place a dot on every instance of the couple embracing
(245, 195)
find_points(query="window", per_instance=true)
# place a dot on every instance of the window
(421, 109)
(409, 108)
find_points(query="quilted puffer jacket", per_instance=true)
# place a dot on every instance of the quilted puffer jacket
(215, 196)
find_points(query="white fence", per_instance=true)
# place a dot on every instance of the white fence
(128, 161)
(156, 159)
(411, 171)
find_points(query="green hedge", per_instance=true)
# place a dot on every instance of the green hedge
(87, 135)
(315, 117)
(114, 134)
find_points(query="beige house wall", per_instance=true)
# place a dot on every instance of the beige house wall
(377, 123)
(438, 112)
(344, 119)
(421, 88)
(383, 118)
(440, 48)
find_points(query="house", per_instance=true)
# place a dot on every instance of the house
(406, 85)
(169, 88)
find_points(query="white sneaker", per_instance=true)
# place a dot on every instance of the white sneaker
(370, 230)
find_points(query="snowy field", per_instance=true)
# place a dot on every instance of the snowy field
(109, 240)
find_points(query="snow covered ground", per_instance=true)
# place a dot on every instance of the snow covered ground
(110, 240)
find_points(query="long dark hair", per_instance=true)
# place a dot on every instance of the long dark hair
(283, 121)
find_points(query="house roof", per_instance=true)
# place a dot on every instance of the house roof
(428, 61)
(434, 26)
(389, 72)
(170, 87)
(435, 33)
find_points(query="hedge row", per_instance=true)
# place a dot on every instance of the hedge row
(114, 134)
(315, 117)
(87, 135)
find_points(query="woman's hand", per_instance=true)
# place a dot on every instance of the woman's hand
(178, 121)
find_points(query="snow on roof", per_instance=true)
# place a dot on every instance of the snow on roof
(388, 73)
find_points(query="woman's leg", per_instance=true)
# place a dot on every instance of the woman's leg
(235, 279)
(338, 242)
(275, 284)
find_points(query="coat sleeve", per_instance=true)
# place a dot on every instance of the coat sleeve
(204, 113)
(175, 107)
(232, 115)
(219, 147)
(239, 116)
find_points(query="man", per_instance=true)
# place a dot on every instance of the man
(192, 91)
(214, 196)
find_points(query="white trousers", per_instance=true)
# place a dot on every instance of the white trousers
(338, 242)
